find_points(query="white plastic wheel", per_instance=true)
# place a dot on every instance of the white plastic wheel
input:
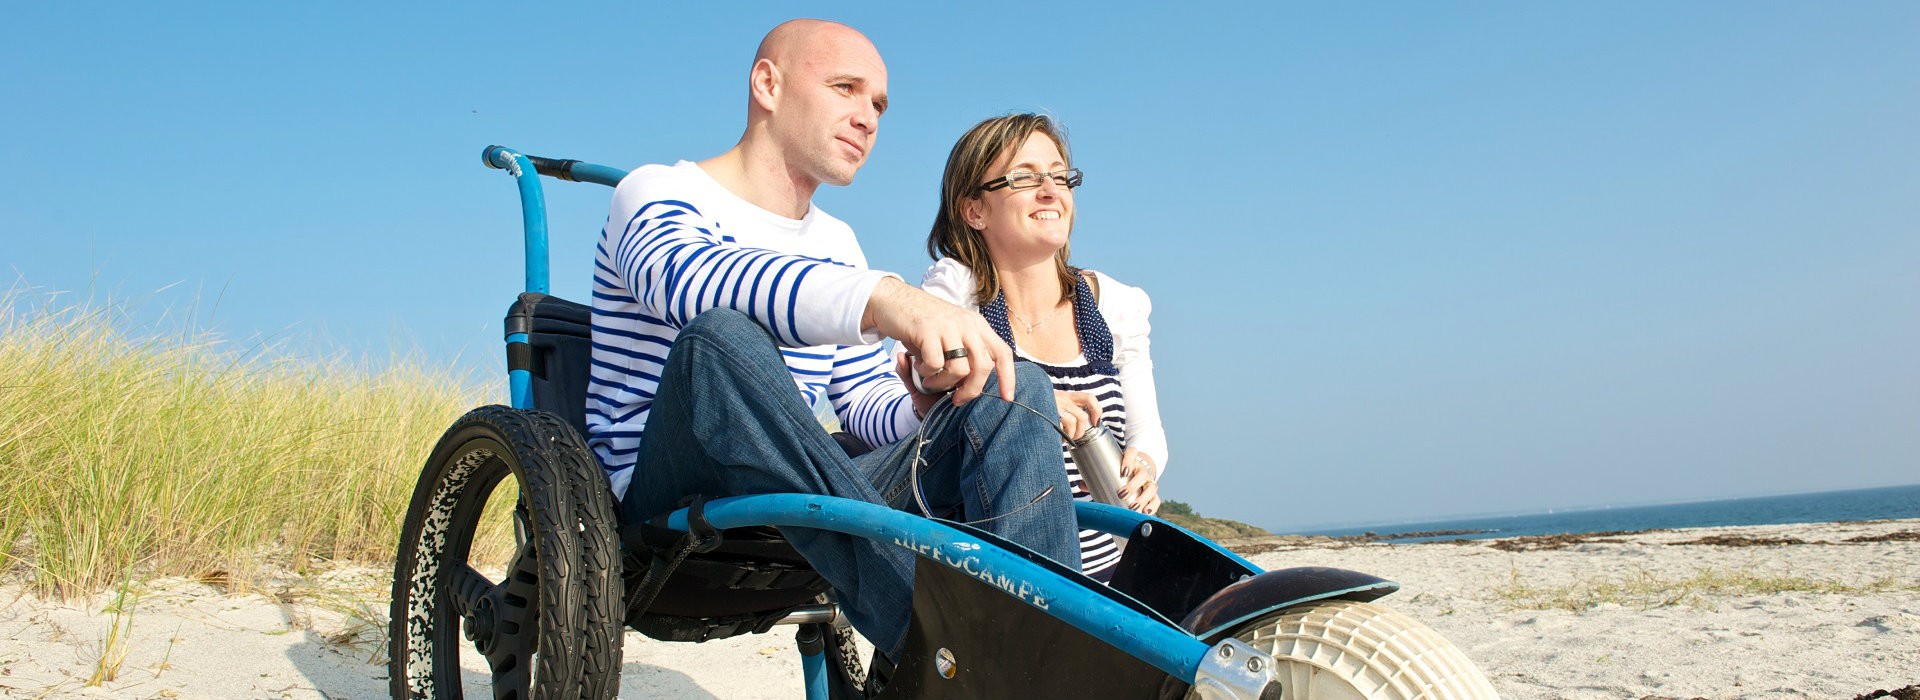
(1343, 650)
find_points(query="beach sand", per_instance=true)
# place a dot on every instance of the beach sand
(1828, 610)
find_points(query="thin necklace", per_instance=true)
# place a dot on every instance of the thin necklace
(1035, 324)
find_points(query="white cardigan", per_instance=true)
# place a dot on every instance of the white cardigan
(1125, 308)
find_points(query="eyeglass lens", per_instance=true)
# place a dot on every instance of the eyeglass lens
(1022, 180)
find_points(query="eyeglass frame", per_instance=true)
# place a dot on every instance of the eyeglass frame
(1073, 177)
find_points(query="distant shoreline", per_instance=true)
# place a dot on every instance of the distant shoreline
(1886, 503)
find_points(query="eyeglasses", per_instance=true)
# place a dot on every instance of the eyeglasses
(1026, 180)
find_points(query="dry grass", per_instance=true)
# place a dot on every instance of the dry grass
(173, 454)
(1643, 590)
(113, 647)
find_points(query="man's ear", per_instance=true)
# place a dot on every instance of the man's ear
(764, 83)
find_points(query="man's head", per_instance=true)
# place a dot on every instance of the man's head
(817, 91)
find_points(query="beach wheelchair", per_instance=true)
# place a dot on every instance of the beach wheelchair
(1182, 616)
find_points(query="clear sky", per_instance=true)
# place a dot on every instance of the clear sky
(1408, 260)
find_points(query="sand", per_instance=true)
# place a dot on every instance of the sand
(1737, 613)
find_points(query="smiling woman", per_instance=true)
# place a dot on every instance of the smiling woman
(1001, 242)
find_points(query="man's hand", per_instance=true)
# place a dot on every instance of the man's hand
(1078, 411)
(1141, 491)
(922, 402)
(930, 329)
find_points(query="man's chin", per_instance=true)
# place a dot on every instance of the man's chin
(841, 179)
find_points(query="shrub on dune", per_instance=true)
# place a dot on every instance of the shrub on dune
(177, 454)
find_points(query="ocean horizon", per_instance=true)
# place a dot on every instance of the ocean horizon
(1880, 503)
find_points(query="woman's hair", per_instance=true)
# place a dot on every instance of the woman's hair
(967, 167)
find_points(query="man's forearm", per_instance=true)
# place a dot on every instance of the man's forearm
(886, 291)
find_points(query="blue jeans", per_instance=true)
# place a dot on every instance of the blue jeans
(728, 421)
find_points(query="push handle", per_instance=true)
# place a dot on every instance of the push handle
(501, 157)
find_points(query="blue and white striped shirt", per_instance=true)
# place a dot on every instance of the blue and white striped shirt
(677, 243)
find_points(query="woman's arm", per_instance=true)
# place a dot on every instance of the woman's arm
(949, 281)
(1126, 309)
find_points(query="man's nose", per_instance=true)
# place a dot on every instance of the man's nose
(867, 119)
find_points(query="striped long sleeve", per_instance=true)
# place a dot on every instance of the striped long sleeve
(868, 397)
(677, 263)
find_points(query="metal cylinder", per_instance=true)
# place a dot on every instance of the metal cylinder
(1097, 455)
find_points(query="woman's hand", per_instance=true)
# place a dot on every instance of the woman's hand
(1078, 411)
(1141, 490)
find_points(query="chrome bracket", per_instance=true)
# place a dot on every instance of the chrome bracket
(1233, 670)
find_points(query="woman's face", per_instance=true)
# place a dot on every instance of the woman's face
(1024, 224)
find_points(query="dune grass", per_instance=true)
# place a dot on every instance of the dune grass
(1644, 590)
(131, 452)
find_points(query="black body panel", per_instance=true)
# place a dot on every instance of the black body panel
(1172, 571)
(1004, 648)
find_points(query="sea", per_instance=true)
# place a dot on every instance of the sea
(1830, 506)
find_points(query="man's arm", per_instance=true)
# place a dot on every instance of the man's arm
(676, 265)
(870, 401)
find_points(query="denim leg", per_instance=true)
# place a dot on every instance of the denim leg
(988, 463)
(727, 421)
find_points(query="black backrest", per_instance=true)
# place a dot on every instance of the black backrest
(558, 348)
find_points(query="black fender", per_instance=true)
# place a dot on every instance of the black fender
(1257, 596)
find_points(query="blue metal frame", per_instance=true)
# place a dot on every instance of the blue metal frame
(533, 216)
(813, 672)
(533, 212)
(1147, 638)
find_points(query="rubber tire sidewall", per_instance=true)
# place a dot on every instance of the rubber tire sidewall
(572, 531)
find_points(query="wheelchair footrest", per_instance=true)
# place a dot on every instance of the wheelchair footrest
(754, 576)
(668, 628)
(703, 584)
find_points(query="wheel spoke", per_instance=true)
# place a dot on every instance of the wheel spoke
(523, 578)
(515, 631)
(522, 524)
(513, 681)
(468, 588)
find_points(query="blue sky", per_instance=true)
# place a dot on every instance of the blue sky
(1409, 260)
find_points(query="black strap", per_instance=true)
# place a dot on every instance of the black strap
(701, 536)
(519, 356)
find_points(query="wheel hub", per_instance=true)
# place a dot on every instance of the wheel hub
(480, 625)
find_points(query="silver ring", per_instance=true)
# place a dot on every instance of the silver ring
(955, 354)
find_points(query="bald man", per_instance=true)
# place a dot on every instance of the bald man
(725, 305)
